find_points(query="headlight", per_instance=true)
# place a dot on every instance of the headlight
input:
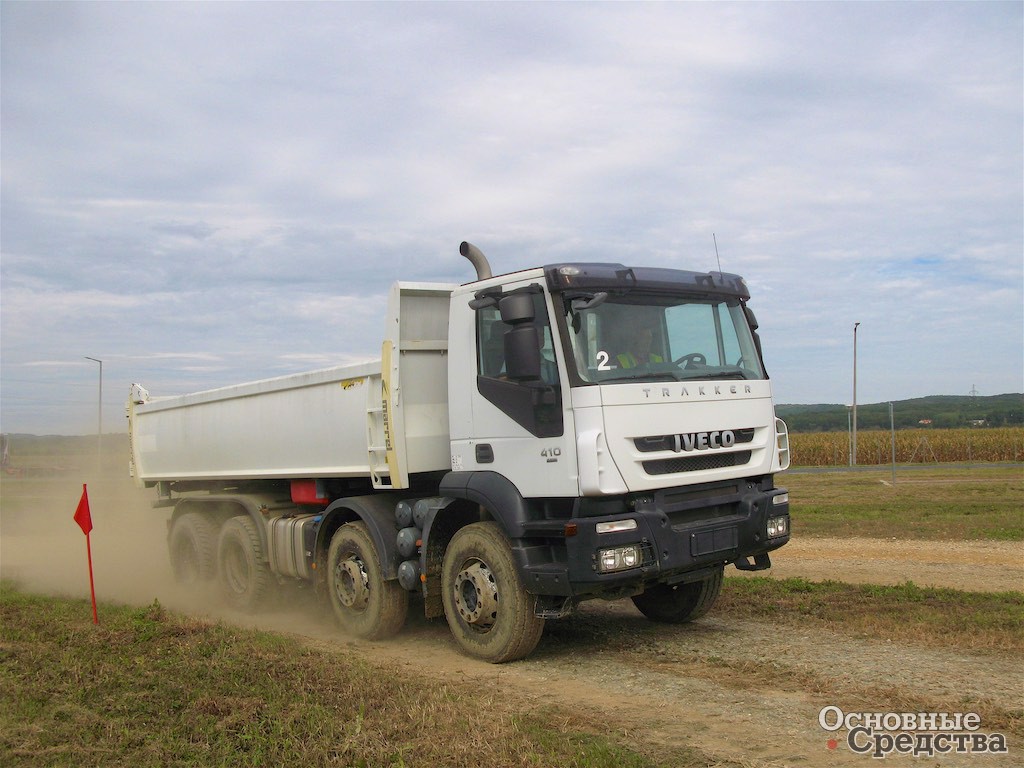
(777, 526)
(618, 558)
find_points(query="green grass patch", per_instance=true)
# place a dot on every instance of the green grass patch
(943, 504)
(148, 688)
(926, 616)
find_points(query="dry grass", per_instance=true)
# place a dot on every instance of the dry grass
(147, 688)
(942, 503)
(925, 616)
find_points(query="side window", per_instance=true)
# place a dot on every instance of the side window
(730, 341)
(490, 335)
(534, 403)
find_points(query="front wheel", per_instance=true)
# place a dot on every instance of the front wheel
(679, 603)
(489, 612)
(366, 605)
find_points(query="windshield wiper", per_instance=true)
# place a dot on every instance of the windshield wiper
(709, 376)
(640, 377)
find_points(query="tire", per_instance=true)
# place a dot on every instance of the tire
(489, 612)
(679, 603)
(243, 574)
(192, 549)
(366, 605)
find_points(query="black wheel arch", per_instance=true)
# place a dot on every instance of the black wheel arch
(496, 493)
(378, 512)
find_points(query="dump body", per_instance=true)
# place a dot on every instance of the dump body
(334, 423)
(261, 429)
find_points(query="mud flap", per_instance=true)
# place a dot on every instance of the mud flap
(761, 563)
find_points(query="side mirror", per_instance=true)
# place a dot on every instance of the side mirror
(522, 352)
(750, 317)
(516, 308)
(581, 303)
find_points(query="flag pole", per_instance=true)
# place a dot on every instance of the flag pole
(83, 516)
(92, 587)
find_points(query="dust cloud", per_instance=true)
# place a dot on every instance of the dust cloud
(43, 551)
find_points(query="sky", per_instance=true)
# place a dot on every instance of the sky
(200, 194)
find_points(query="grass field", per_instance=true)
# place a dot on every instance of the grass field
(922, 616)
(952, 503)
(147, 688)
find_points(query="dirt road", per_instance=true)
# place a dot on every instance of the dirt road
(745, 693)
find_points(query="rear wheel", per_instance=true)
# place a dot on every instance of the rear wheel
(245, 578)
(489, 612)
(192, 546)
(679, 603)
(366, 605)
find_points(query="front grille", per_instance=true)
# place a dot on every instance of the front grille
(672, 442)
(696, 463)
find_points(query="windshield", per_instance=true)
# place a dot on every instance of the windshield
(655, 337)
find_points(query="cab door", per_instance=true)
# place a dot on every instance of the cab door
(519, 423)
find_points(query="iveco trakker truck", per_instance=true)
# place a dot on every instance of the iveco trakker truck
(525, 442)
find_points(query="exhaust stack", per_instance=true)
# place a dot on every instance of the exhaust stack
(477, 258)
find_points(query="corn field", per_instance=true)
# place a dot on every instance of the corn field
(913, 446)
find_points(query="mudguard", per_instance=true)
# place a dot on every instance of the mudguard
(493, 491)
(378, 512)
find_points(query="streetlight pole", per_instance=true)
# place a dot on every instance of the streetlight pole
(99, 418)
(849, 437)
(853, 453)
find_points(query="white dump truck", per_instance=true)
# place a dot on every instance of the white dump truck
(525, 442)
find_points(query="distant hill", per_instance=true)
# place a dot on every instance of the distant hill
(939, 411)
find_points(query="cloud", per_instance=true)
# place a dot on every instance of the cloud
(239, 183)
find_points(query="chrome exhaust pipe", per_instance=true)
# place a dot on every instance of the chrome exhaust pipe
(477, 259)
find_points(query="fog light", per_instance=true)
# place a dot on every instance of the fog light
(777, 526)
(616, 525)
(618, 558)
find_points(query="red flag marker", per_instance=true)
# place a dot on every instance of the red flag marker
(84, 519)
(82, 515)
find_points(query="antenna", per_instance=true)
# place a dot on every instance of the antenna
(716, 253)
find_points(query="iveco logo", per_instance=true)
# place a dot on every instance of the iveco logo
(702, 441)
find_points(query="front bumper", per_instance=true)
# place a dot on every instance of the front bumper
(679, 531)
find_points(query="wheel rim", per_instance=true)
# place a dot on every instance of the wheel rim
(351, 583)
(476, 596)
